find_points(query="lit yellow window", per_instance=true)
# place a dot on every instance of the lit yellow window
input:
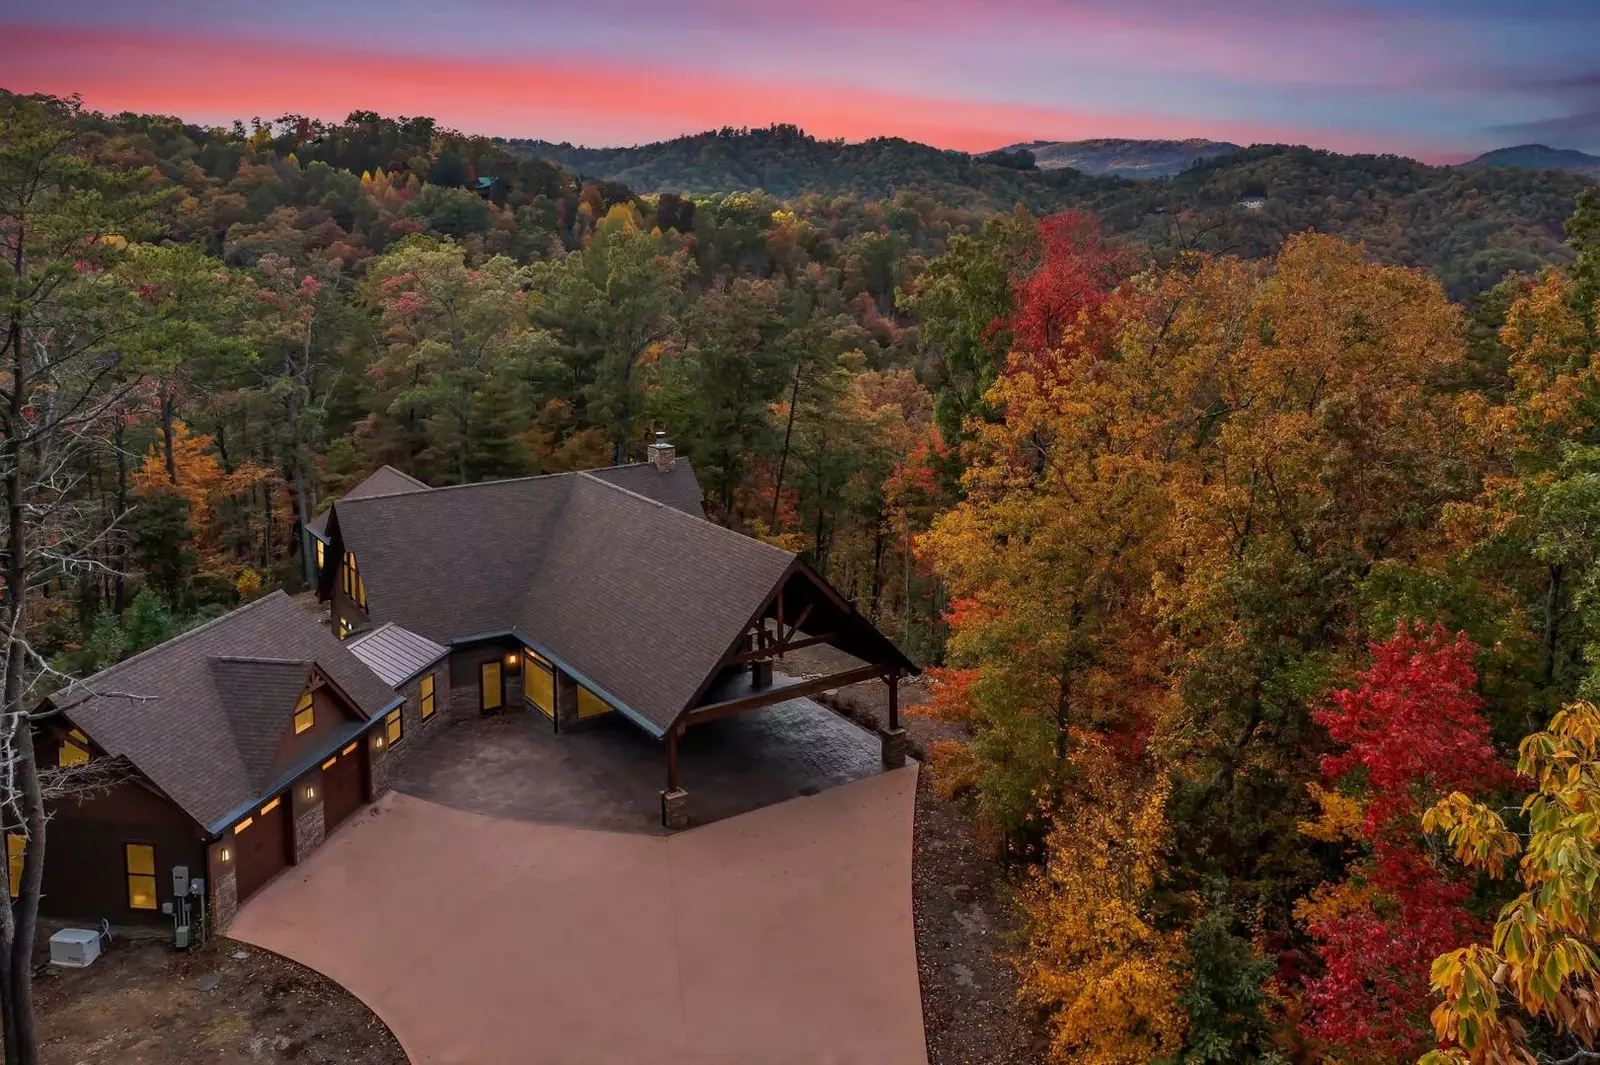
(345, 628)
(425, 699)
(271, 806)
(353, 585)
(489, 682)
(539, 684)
(16, 847)
(74, 749)
(322, 553)
(590, 704)
(391, 727)
(330, 763)
(349, 750)
(242, 825)
(141, 876)
(304, 714)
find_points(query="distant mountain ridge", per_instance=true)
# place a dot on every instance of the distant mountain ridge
(1123, 157)
(1539, 157)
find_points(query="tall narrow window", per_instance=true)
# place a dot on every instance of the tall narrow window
(74, 749)
(489, 681)
(345, 628)
(539, 683)
(354, 587)
(322, 555)
(16, 847)
(141, 876)
(304, 714)
(425, 697)
(392, 727)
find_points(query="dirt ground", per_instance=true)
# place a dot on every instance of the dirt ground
(969, 1001)
(142, 1003)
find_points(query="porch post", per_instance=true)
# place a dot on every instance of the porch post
(893, 737)
(674, 800)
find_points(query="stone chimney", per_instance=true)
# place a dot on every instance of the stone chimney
(661, 454)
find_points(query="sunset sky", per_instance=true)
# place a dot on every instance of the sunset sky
(1437, 79)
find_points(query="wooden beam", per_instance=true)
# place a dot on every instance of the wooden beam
(778, 695)
(801, 620)
(773, 650)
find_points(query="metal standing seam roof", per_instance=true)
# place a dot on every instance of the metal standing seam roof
(196, 714)
(395, 654)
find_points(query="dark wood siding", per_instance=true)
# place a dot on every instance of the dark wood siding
(85, 870)
(263, 848)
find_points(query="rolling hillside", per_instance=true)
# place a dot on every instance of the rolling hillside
(1124, 158)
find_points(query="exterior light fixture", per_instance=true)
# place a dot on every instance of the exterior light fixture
(311, 793)
(511, 660)
(224, 854)
(378, 743)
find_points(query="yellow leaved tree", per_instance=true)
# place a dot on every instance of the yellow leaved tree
(1540, 972)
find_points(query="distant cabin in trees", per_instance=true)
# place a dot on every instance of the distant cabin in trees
(491, 188)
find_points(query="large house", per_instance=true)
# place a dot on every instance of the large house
(234, 749)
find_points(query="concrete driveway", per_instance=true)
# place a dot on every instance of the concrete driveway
(782, 936)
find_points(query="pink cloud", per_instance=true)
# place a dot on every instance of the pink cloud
(209, 78)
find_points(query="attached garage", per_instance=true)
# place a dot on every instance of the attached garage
(262, 845)
(343, 785)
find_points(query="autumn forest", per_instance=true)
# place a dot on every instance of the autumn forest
(1262, 582)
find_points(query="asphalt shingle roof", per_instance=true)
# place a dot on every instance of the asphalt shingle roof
(187, 713)
(385, 480)
(637, 597)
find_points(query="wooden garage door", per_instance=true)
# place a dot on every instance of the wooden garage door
(263, 845)
(342, 785)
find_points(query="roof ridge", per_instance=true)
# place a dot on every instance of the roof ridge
(419, 482)
(509, 480)
(688, 517)
(269, 661)
(273, 596)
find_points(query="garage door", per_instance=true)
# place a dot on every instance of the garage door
(342, 785)
(263, 845)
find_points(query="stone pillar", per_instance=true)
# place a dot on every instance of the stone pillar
(675, 808)
(305, 806)
(566, 701)
(894, 747)
(377, 764)
(761, 673)
(222, 882)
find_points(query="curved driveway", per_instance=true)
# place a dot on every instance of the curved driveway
(779, 937)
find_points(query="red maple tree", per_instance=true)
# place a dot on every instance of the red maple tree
(1412, 731)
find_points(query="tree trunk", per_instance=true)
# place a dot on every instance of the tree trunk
(783, 456)
(1552, 622)
(119, 542)
(308, 551)
(168, 410)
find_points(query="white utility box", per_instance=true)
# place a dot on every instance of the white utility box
(74, 948)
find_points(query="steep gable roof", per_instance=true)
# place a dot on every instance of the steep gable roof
(170, 710)
(256, 695)
(637, 598)
(383, 481)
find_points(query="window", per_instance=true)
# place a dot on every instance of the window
(489, 681)
(271, 806)
(330, 763)
(392, 727)
(539, 683)
(425, 697)
(16, 847)
(590, 704)
(345, 628)
(304, 714)
(242, 825)
(353, 585)
(349, 750)
(141, 876)
(74, 749)
(322, 554)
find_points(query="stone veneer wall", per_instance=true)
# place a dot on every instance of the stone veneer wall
(305, 811)
(224, 883)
